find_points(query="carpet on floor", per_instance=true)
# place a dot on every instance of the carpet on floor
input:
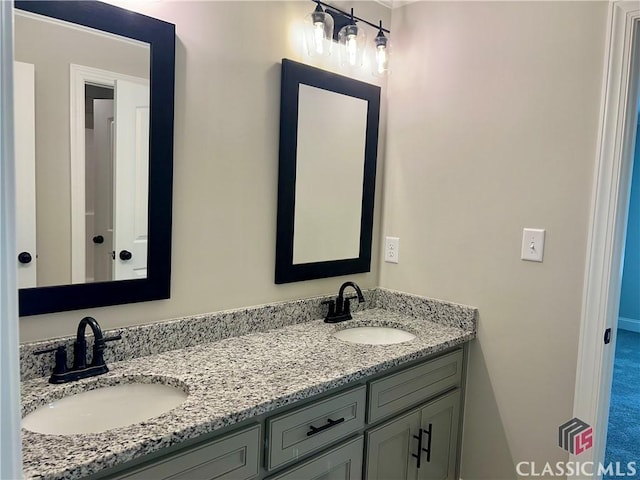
(623, 437)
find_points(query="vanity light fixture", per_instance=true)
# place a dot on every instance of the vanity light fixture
(352, 40)
(382, 52)
(319, 32)
(324, 24)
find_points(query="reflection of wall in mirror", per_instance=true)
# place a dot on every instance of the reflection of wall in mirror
(52, 47)
(329, 175)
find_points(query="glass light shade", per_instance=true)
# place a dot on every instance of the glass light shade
(352, 40)
(319, 32)
(382, 53)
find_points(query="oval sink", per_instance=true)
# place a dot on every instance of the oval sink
(374, 335)
(102, 409)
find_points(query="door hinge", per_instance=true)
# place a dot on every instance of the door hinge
(607, 336)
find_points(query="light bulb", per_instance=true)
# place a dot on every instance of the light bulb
(318, 37)
(352, 49)
(381, 67)
(318, 32)
(382, 61)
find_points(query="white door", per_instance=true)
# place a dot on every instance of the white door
(99, 201)
(24, 108)
(131, 179)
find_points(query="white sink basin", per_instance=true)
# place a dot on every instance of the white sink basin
(104, 408)
(374, 335)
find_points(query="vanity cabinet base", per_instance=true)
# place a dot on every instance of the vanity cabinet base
(413, 411)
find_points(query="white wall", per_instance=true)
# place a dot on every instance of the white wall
(492, 126)
(227, 113)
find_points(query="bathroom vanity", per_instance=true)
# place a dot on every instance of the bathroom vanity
(290, 402)
(404, 424)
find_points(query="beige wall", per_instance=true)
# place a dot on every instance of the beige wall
(227, 101)
(52, 47)
(492, 126)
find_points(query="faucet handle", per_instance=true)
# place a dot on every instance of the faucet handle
(346, 306)
(98, 349)
(61, 358)
(332, 307)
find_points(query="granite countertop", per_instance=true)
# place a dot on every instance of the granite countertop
(228, 381)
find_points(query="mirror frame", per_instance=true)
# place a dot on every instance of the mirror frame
(160, 36)
(294, 74)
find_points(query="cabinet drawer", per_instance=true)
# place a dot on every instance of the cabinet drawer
(234, 456)
(414, 385)
(299, 432)
(344, 462)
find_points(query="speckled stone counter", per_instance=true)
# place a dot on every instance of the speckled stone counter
(232, 380)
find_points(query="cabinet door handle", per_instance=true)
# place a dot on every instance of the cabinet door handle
(330, 423)
(427, 450)
(419, 454)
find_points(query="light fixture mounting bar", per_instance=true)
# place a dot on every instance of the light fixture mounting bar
(347, 14)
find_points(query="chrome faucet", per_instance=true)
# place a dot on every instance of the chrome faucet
(340, 308)
(80, 369)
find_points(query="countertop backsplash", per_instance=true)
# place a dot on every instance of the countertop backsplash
(149, 339)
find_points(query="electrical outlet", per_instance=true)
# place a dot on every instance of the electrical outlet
(391, 249)
(532, 244)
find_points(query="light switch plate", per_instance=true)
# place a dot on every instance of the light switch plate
(532, 244)
(391, 249)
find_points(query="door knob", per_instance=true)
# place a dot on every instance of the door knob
(125, 255)
(24, 257)
(98, 239)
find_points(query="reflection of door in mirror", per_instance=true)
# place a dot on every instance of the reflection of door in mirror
(64, 245)
(116, 168)
(131, 177)
(99, 182)
(109, 175)
(25, 151)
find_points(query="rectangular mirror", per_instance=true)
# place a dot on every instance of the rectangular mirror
(326, 184)
(94, 147)
(90, 135)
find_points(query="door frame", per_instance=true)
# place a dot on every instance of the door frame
(608, 223)
(10, 437)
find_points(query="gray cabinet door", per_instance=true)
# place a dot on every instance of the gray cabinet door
(340, 463)
(390, 449)
(393, 446)
(439, 429)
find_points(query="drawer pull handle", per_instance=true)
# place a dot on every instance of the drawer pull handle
(428, 449)
(330, 423)
(420, 449)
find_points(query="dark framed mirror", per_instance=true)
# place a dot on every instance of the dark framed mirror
(118, 213)
(327, 170)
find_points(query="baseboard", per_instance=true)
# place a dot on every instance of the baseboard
(631, 324)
